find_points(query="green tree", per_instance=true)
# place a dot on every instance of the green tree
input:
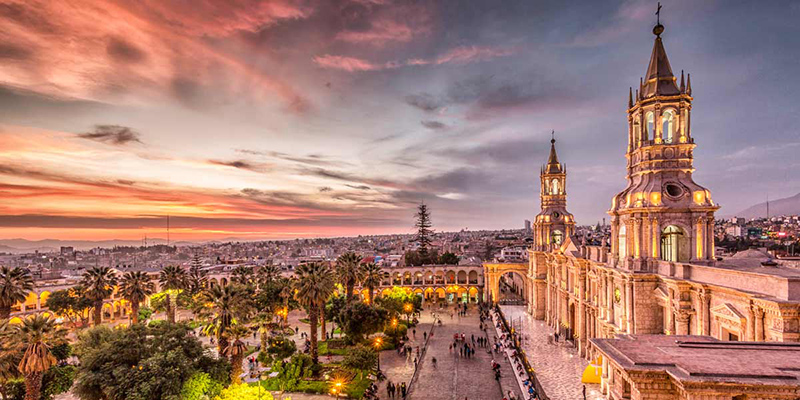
(222, 305)
(196, 279)
(360, 319)
(142, 363)
(314, 285)
(448, 258)
(267, 274)
(71, 303)
(333, 308)
(360, 359)
(243, 275)
(236, 351)
(34, 338)
(172, 279)
(135, 287)
(349, 272)
(424, 231)
(99, 283)
(373, 276)
(15, 284)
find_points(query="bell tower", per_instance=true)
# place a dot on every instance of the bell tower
(554, 223)
(662, 214)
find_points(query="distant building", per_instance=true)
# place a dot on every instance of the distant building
(527, 227)
(67, 250)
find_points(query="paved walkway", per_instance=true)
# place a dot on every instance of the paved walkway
(454, 377)
(558, 367)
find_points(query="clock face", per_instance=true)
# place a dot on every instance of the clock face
(556, 215)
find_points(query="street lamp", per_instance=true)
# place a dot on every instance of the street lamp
(408, 308)
(378, 343)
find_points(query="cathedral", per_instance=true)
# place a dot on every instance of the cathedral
(657, 275)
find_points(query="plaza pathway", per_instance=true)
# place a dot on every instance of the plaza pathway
(558, 367)
(454, 377)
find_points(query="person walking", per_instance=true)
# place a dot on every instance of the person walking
(403, 389)
(390, 389)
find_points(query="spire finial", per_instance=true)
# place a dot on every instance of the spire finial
(630, 97)
(553, 140)
(683, 83)
(689, 84)
(658, 29)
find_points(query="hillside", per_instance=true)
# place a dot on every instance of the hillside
(785, 206)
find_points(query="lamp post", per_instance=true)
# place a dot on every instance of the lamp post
(408, 308)
(378, 343)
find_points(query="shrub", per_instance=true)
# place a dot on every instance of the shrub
(281, 347)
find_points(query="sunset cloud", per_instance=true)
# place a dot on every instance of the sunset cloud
(459, 55)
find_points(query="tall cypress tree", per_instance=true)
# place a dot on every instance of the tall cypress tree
(424, 231)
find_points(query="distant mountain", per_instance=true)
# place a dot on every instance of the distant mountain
(785, 206)
(51, 245)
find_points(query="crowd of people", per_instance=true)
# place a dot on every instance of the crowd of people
(507, 341)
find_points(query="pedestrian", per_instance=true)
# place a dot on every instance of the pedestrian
(390, 389)
(511, 396)
(403, 389)
(414, 332)
(296, 329)
(424, 334)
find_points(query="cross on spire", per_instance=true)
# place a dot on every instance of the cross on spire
(658, 14)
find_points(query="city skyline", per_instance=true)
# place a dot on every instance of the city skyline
(292, 119)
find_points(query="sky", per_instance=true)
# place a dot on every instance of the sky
(281, 119)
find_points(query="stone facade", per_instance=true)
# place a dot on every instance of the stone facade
(658, 276)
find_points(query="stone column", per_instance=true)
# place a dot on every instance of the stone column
(682, 327)
(705, 312)
(710, 238)
(581, 313)
(610, 298)
(759, 324)
(628, 321)
(751, 322)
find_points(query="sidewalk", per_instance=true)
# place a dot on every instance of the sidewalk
(558, 367)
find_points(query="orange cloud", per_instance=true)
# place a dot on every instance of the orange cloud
(124, 52)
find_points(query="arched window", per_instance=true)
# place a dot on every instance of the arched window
(557, 237)
(651, 127)
(668, 120)
(623, 245)
(554, 187)
(637, 132)
(673, 244)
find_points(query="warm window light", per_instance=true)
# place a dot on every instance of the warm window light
(655, 198)
(699, 197)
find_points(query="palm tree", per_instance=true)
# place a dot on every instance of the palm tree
(135, 287)
(373, 276)
(262, 321)
(99, 283)
(348, 267)
(236, 352)
(197, 280)
(287, 288)
(224, 305)
(9, 358)
(172, 278)
(243, 275)
(33, 339)
(15, 284)
(314, 285)
(267, 274)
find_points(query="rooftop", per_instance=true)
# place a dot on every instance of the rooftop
(706, 359)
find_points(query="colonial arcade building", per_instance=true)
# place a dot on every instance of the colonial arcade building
(658, 275)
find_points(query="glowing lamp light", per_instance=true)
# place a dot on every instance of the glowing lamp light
(699, 197)
(655, 198)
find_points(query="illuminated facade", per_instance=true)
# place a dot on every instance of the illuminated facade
(554, 223)
(662, 214)
(658, 276)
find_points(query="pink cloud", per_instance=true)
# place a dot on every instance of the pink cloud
(389, 22)
(349, 64)
(458, 55)
(468, 54)
(132, 52)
